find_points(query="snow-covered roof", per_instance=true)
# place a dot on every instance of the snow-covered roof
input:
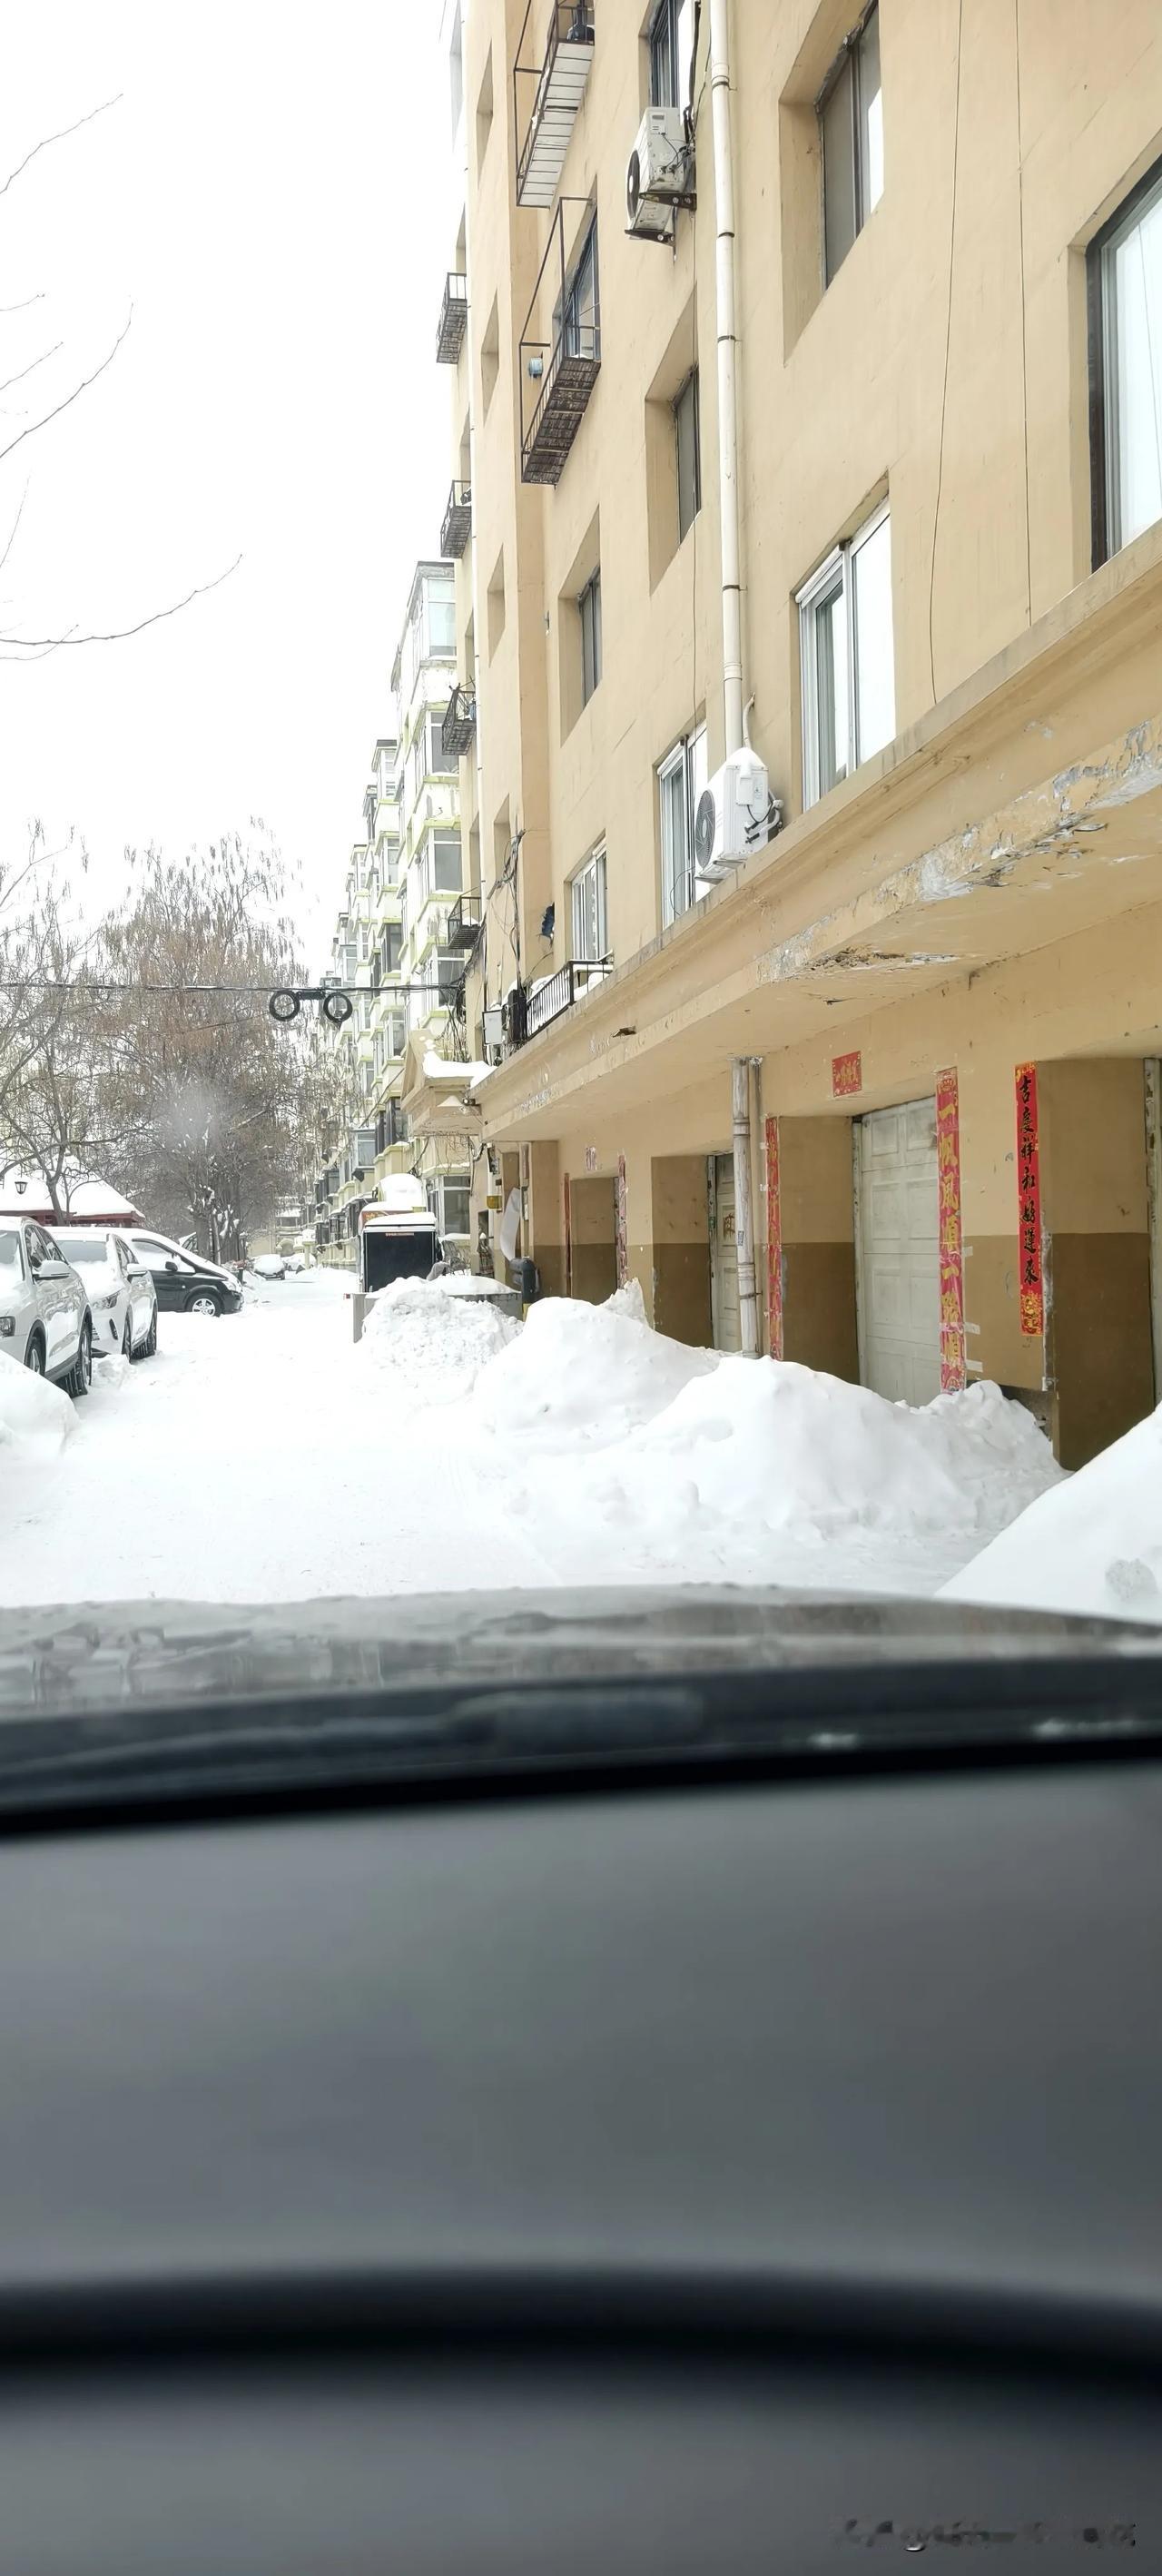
(86, 1199)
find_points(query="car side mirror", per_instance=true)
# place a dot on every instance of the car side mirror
(50, 1270)
(171, 1265)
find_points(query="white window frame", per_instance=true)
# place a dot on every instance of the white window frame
(589, 620)
(689, 393)
(687, 757)
(589, 890)
(848, 78)
(836, 576)
(1144, 203)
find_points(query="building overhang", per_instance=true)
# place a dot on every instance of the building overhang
(1022, 810)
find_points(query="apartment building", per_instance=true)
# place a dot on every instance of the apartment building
(371, 1137)
(429, 722)
(807, 458)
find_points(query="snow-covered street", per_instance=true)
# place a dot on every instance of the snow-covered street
(264, 1457)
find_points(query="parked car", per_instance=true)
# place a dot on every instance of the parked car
(45, 1316)
(270, 1265)
(122, 1296)
(185, 1283)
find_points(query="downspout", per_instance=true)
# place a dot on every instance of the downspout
(733, 739)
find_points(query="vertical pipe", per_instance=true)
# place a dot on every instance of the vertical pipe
(727, 385)
(748, 1311)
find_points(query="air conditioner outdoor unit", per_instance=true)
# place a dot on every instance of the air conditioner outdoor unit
(734, 816)
(658, 173)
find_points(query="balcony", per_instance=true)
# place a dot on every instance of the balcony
(459, 726)
(453, 320)
(561, 78)
(457, 527)
(463, 927)
(543, 1003)
(561, 372)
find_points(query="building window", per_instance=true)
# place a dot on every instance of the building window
(670, 35)
(579, 315)
(440, 760)
(847, 660)
(451, 1200)
(851, 135)
(589, 611)
(441, 622)
(1125, 285)
(688, 443)
(447, 863)
(681, 779)
(590, 921)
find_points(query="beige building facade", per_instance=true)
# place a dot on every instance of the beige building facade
(913, 1014)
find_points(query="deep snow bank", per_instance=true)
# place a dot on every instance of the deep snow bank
(33, 1414)
(579, 1376)
(1093, 1545)
(427, 1342)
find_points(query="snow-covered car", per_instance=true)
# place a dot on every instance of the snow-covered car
(269, 1265)
(45, 1317)
(185, 1283)
(122, 1296)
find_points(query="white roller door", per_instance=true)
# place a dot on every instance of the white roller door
(725, 1318)
(897, 1252)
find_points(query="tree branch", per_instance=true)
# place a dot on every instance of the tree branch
(61, 137)
(82, 388)
(37, 645)
(14, 527)
(45, 354)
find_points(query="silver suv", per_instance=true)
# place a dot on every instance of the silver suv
(44, 1308)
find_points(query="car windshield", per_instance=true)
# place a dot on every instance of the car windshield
(591, 922)
(85, 1250)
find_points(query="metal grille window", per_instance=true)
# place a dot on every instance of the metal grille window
(851, 134)
(1125, 287)
(589, 611)
(688, 443)
(847, 657)
(681, 779)
(590, 919)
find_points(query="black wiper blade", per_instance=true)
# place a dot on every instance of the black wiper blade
(434, 1737)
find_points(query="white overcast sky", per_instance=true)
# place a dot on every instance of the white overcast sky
(273, 198)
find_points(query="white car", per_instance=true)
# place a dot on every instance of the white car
(122, 1297)
(269, 1265)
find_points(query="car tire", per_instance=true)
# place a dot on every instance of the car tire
(127, 1340)
(149, 1345)
(34, 1355)
(80, 1376)
(203, 1302)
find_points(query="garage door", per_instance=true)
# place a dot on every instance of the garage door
(725, 1317)
(899, 1281)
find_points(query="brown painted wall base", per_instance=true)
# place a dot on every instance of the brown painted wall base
(1099, 1341)
(819, 1307)
(594, 1271)
(682, 1292)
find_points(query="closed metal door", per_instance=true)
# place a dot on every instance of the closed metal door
(897, 1252)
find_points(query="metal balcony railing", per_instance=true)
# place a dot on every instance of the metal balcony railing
(457, 526)
(561, 79)
(459, 724)
(453, 320)
(557, 375)
(543, 1003)
(464, 919)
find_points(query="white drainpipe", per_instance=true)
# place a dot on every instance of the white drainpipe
(727, 389)
(734, 730)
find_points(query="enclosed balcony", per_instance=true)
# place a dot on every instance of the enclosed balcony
(546, 1001)
(544, 120)
(560, 363)
(457, 527)
(463, 926)
(453, 320)
(459, 726)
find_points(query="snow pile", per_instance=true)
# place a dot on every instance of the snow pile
(768, 1442)
(1093, 1545)
(110, 1368)
(584, 1375)
(34, 1415)
(428, 1342)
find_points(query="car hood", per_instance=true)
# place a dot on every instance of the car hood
(180, 1655)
